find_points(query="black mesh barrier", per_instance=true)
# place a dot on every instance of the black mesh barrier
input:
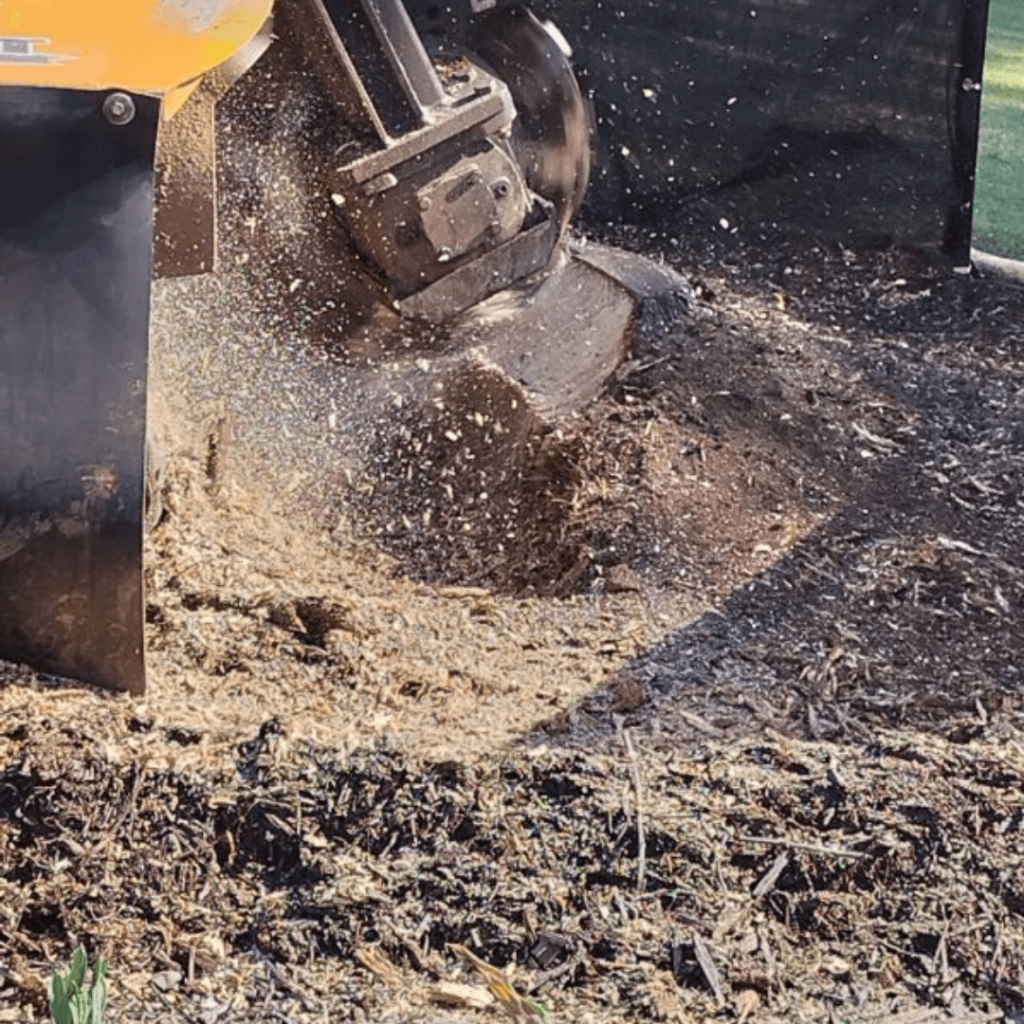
(845, 120)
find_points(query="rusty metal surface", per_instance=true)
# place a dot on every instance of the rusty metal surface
(76, 199)
(186, 212)
(186, 169)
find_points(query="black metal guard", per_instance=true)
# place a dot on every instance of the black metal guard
(76, 233)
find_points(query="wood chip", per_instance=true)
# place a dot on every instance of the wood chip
(374, 960)
(707, 965)
(771, 876)
(454, 993)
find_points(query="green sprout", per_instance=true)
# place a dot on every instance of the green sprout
(70, 1002)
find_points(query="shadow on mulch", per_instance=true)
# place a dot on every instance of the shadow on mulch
(898, 614)
(903, 608)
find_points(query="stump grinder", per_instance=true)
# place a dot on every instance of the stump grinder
(449, 165)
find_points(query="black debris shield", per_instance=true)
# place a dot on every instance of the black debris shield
(76, 235)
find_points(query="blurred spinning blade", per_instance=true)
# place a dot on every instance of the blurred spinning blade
(552, 132)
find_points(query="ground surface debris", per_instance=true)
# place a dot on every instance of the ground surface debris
(750, 748)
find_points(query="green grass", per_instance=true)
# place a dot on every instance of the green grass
(999, 198)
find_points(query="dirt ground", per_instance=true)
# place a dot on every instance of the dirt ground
(701, 704)
(731, 729)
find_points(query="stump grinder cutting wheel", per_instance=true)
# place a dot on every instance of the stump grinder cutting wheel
(450, 177)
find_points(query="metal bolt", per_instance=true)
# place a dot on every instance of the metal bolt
(119, 108)
(501, 188)
(424, 203)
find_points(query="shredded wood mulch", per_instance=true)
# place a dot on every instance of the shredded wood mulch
(766, 879)
(754, 754)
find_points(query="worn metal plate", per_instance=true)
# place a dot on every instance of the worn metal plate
(76, 228)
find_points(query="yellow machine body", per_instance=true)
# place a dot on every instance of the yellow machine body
(142, 46)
